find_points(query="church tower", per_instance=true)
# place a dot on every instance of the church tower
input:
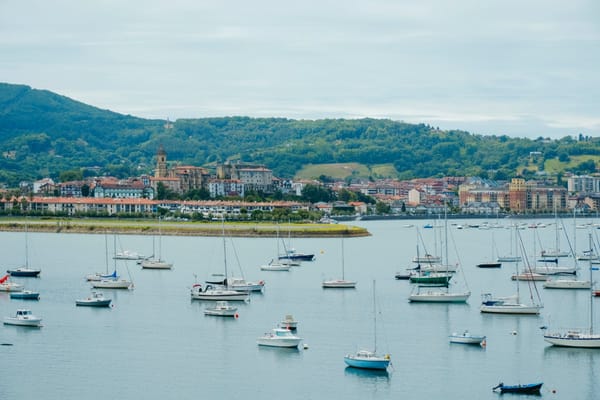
(161, 163)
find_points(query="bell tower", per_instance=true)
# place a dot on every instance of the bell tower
(161, 163)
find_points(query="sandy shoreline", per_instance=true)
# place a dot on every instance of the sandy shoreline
(175, 228)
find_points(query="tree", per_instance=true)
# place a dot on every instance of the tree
(85, 190)
(382, 208)
(315, 194)
(71, 175)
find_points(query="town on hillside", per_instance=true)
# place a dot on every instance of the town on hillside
(230, 190)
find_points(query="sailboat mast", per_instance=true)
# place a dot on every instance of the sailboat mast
(224, 249)
(343, 276)
(591, 285)
(374, 320)
(26, 246)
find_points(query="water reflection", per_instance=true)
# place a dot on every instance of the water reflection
(368, 375)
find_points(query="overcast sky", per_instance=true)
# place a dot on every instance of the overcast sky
(525, 68)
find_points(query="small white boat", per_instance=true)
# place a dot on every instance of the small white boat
(567, 284)
(96, 299)
(112, 284)
(427, 259)
(554, 270)
(529, 276)
(212, 293)
(98, 276)
(289, 323)
(366, 359)
(241, 285)
(434, 267)
(509, 259)
(275, 266)
(23, 318)
(155, 263)
(129, 255)
(279, 337)
(439, 296)
(507, 305)
(339, 283)
(466, 338)
(221, 309)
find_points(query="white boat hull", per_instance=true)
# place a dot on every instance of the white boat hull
(217, 294)
(510, 309)
(466, 338)
(567, 284)
(275, 267)
(574, 339)
(339, 283)
(22, 322)
(112, 284)
(439, 297)
(438, 268)
(11, 287)
(156, 264)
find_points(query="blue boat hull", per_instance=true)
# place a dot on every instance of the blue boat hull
(25, 296)
(367, 364)
(531, 388)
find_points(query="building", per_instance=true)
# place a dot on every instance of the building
(583, 184)
(131, 188)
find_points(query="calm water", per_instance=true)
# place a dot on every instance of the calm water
(156, 343)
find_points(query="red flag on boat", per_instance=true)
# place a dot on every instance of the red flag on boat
(4, 278)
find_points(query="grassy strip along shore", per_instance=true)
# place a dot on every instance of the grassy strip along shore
(178, 228)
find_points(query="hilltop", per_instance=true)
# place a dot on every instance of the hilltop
(43, 134)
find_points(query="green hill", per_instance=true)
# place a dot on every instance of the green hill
(43, 134)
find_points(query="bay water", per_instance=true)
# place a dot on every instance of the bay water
(156, 343)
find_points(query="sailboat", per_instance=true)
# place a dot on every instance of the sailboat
(491, 264)
(439, 294)
(511, 304)
(556, 251)
(342, 283)
(25, 270)
(275, 264)
(367, 359)
(578, 337)
(218, 292)
(512, 257)
(154, 261)
(113, 283)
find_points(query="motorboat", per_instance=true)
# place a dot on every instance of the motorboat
(366, 359)
(466, 338)
(241, 285)
(25, 295)
(214, 293)
(292, 254)
(23, 317)
(529, 388)
(490, 265)
(24, 272)
(96, 299)
(7, 286)
(221, 309)
(289, 323)
(279, 337)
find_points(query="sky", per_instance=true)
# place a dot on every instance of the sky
(512, 67)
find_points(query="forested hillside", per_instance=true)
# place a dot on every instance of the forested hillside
(43, 134)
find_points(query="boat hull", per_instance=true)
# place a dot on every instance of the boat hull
(221, 312)
(93, 303)
(466, 339)
(11, 287)
(439, 297)
(24, 272)
(25, 295)
(374, 363)
(489, 265)
(33, 321)
(533, 388)
(588, 341)
(567, 284)
(111, 284)
(443, 279)
(510, 309)
(339, 284)
(154, 264)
